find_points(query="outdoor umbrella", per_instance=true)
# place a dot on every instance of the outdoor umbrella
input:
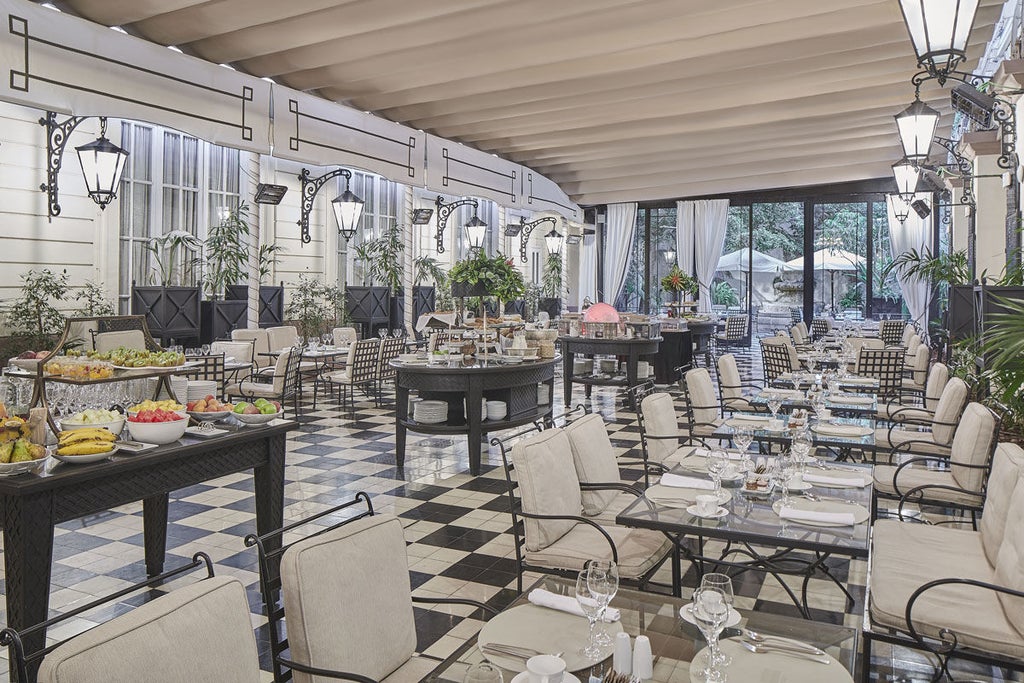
(833, 261)
(752, 260)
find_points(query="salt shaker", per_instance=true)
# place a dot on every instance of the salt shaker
(622, 659)
(643, 659)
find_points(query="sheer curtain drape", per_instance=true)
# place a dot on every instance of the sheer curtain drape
(621, 225)
(684, 236)
(710, 220)
(913, 233)
(588, 269)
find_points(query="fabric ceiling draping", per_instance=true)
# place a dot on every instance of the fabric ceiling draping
(710, 220)
(619, 231)
(684, 236)
(912, 234)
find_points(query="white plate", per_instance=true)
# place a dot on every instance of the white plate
(686, 612)
(860, 513)
(215, 416)
(525, 676)
(125, 448)
(771, 666)
(157, 367)
(802, 486)
(717, 514)
(541, 629)
(257, 419)
(678, 497)
(82, 459)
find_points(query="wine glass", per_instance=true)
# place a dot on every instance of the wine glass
(718, 460)
(801, 445)
(787, 467)
(710, 611)
(591, 606)
(604, 583)
(811, 362)
(742, 438)
(483, 673)
(723, 583)
(327, 338)
(205, 348)
(382, 332)
(774, 403)
(398, 333)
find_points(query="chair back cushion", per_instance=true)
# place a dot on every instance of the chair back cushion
(798, 334)
(729, 376)
(948, 411)
(239, 350)
(701, 394)
(594, 458)
(1010, 563)
(919, 367)
(344, 336)
(548, 485)
(1007, 467)
(347, 599)
(283, 337)
(913, 344)
(972, 445)
(908, 335)
(281, 370)
(130, 339)
(660, 420)
(938, 376)
(261, 344)
(201, 632)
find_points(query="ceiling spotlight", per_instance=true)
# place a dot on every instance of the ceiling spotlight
(269, 194)
(421, 216)
(974, 104)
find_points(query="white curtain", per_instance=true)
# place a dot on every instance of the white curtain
(913, 233)
(588, 270)
(684, 236)
(710, 220)
(618, 238)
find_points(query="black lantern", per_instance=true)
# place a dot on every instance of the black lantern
(916, 125)
(476, 232)
(939, 30)
(553, 241)
(102, 164)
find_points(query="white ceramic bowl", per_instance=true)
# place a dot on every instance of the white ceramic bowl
(257, 419)
(158, 432)
(115, 427)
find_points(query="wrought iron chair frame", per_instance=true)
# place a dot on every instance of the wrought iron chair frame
(640, 392)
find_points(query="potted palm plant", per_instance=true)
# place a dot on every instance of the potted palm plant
(271, 296)
(227, 259)
(485, 276)
(170, 302)
(551, 286)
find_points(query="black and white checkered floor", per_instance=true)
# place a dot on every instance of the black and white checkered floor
(457, 527)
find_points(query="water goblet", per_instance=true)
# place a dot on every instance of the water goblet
(774, 403)
(718, 460)
(811, 361)
(710, 611)
(382, 332)
(604, 583)
(723, 583)
(591, 606)
(327, 338)
(742, 438)
(788, 469)
(483, 673)
(398, 333)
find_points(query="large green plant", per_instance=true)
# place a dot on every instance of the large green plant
(551, 276)
(722, 294)
(34, 315)
(939, 270)
(94, 301)
(268, 259)
(498, 274)
(227, 251)
(176, 254)
(313, 306)
(428, 268)
(385, 257)
(1004, 345)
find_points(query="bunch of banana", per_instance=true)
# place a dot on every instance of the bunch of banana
(85, 441)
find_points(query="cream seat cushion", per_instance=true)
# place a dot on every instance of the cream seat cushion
(923, 441)
(129, 339)
(639, 549)
(201, 632)
(913, 476)
(594, 459)
(621, 501)
(896, 411)
(240, 351)
(548, 485)
(972, 445)
(347, 599)
(1010, 563)
(905, 556)
(1007, 469)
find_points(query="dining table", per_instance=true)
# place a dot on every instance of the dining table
(676, 644)
(32, 504)
(845, 403)
(841, 435)
(752, 533)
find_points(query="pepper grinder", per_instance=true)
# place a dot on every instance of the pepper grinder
(643, 659)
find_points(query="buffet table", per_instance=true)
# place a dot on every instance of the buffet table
(632, 349)
(461, 384)
(32, 504)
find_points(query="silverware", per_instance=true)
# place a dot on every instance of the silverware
(764, 648)
(826, 499)
(514, 651)
(760, 638)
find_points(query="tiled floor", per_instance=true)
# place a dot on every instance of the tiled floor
(457, 527)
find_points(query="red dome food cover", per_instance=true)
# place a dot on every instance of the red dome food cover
(601, 313)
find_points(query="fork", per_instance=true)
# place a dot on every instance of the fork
(764, 648)
(826, 499)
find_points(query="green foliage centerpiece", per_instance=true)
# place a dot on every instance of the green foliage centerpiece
(677, 282)
(490, 276)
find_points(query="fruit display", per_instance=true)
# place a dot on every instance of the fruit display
(155, 415)
(209, 404)
(15, 445)
(32, 355)
(139, 358)
(91, 417)
(79, 368)
(260, 406)
(166, 404)
(85, 441)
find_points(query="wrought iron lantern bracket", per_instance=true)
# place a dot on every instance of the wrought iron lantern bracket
(444, 211)
(57, 135)
(527, 230)
(310, 187)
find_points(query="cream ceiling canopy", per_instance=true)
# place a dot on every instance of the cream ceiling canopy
(614, 100)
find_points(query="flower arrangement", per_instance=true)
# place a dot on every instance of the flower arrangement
(678, 281)
(498, 275)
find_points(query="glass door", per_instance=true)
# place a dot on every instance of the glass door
(840, 259)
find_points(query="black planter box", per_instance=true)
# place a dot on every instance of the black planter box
(464, 289)
(989, 300)
(517, 307)
(172, 313)
(552, 306)
(960, 316)
(368, 307)
(271, 302)
(422, 302)
(220, 316)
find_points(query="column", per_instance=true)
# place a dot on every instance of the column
(989, 257)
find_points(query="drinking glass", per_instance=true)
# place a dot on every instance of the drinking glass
(718, 460)
(327, 338)
(801, 444)
(723, 583)
(742, 438)
(591, 606)
(710, 611)
(382, 332)
(787, 465)
(205, 348)
(483, 673)
(774, 403)
(811, 361)
(398, 333)
(603, 578)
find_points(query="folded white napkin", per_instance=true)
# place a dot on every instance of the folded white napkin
(753, 419)
(853, 400)
(815, 516)
(827, 479)
(564, 603)
(858, 380)
(679, 481)
(839, 429)
(731, 455)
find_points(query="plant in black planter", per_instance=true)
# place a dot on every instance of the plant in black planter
(227, 251)
(481, 275)
(314, 306)
(551, 285)
(176, 255)
(268, 260)
(33, 317)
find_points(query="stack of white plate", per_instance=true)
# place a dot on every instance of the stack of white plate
(582, 366)
(179, 385)
(199, 388)
(496, 410)
(609, 365)
(643, 370)
(542, 394)
(408, 357)
(431, 412)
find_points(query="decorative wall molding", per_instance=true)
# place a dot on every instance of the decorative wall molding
(462, 171)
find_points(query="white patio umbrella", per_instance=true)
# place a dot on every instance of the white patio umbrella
(743, 260)
(832, 261)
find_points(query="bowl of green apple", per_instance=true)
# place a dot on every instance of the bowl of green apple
(260, 411)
